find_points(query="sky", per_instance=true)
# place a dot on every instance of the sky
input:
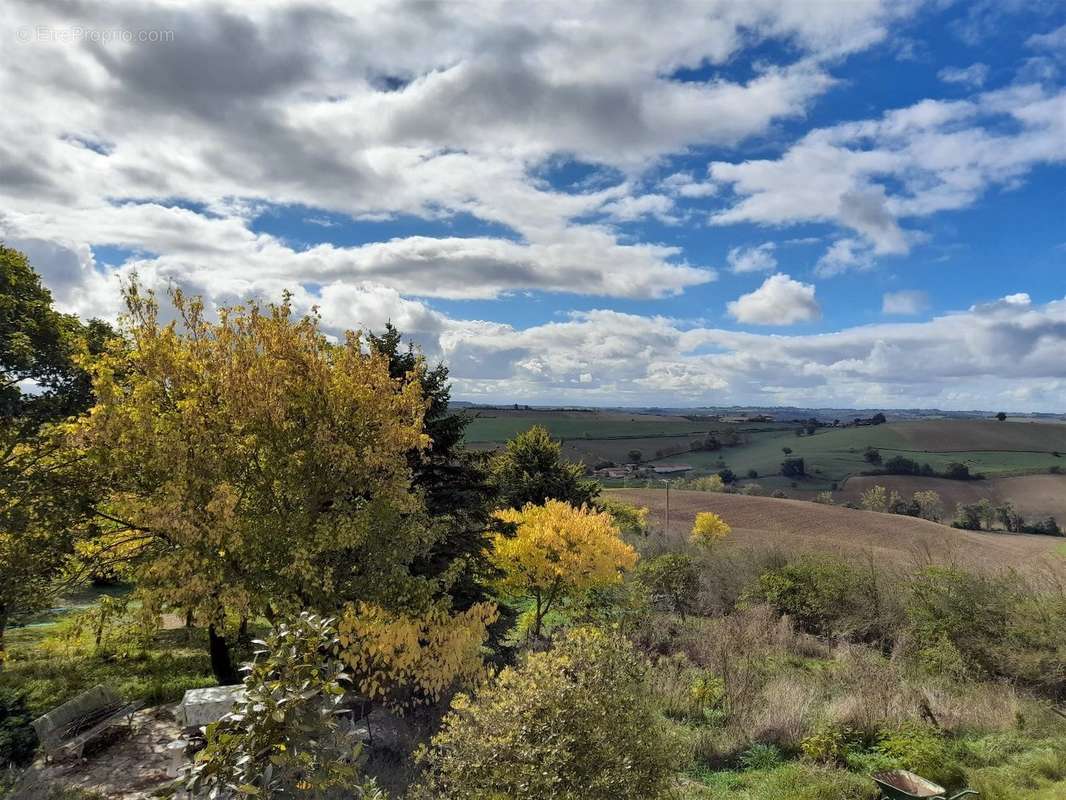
(849, 203)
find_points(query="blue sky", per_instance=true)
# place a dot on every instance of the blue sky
(817, 202)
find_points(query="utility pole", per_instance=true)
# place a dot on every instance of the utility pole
(666, 530)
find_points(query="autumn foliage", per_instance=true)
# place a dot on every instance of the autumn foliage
(709, 529)
(557, 551)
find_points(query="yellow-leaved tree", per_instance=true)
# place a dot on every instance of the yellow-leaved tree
(254, 467)
(402, 660)
(708, 530)
(558, 551)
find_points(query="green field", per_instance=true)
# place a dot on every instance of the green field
(499, 426)
(831, 454)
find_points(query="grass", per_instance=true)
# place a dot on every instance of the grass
(50, 664)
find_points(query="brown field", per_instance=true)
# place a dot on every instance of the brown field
(805, 527)
(963, 435)
(1032, 495)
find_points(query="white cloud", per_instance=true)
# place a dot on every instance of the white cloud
(974, 75)
(905, 302)
(844, 255)
(1054, 40)
(752, 259)
(779, 301)
(912, 162)
(399, 108)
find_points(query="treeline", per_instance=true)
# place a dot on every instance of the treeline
(900, 465)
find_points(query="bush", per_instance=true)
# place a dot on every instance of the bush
(284, 738)
(829, 598)
(793, 468)
(753, 474)
(574, 721)
(872, 455)
(966, 611)
(17, 739)
(672, 582)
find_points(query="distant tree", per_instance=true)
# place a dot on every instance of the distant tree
(875, 499)
(786, 450)
(957, 471)
(727, 475)
(878, 419)
(967, 517)
(708, 530)
(793, 468)
(799, 432)
(753, 474)
(558, 551)
(898, 465)
(635, 456)
(811, 429)
(1001, 416)
(531, 470)
(929, 505)
(1010, 519)
(1047, 526)
(872, 455)
(825, 498)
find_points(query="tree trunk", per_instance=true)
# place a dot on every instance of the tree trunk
(3, 627)
(221, 663)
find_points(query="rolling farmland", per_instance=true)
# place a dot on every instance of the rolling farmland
(798, 526)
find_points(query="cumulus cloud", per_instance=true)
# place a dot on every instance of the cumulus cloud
(905, 302)
(752, 259)
(779, 301)
(910, 163)
(400, 109)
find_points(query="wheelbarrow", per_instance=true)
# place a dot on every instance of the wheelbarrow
(902, 785)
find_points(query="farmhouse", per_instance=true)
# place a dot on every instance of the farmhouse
(670, 469)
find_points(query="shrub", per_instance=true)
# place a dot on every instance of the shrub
(284, 738)
(968, 611)
(793, 468)
(752, 490)
(825, 498)
(829, 744)
(575, 721)
(753, 474)
(829, 598)
(761, 757)
(672, 581)
(17, 739)
(872, 455)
